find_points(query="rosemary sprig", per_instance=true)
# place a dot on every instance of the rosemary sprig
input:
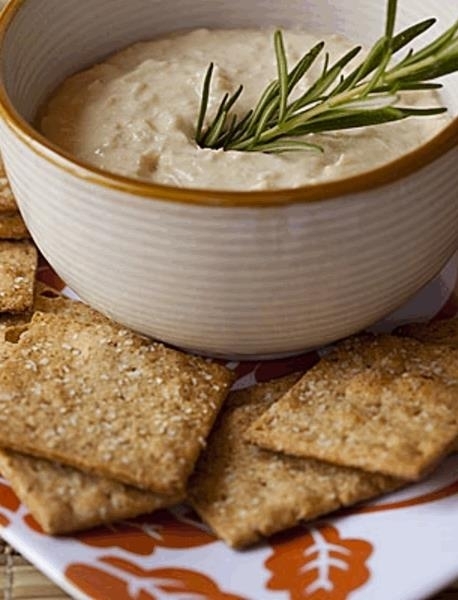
(368, 95)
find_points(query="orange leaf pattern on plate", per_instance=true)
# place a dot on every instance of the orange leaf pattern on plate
(32, 524)
(9, 502)
(142, 536)
(319, 565)
(100, 585)
(175, 580)
(143, 584)
(8, 498)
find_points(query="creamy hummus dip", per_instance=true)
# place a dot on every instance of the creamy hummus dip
(135, 114)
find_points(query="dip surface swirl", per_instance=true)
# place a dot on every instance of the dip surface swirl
(135, 114)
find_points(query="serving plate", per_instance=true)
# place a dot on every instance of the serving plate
(401, 547)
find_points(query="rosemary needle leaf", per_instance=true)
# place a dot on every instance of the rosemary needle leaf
(304, 65)
(239, 128)
(364, 118)
(380, 70)
(214, 130)
(226, 134)
(408, 35)
(282, 66)
(281, 146)
(204, 102)
(233, 99)
(408, 86)
(213, 134)
(264, 119)
(269, 94)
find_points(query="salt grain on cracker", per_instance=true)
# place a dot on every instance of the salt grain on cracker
(245, 493)
(383, 404)
(18, 264)
(64, 500)
(100, 398)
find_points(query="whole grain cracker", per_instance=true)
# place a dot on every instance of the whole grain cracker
(436, 332)
(245, 493)
(100, 398)
(383, 404)
(7, 201)
(18, 265)
(443, 332)
(12, 227)
(46, 300)
(64, 500)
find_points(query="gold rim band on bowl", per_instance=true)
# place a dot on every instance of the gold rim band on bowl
(407, 164)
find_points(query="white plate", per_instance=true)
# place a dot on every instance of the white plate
(402, 547)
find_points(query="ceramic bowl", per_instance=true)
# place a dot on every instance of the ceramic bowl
(230, 274)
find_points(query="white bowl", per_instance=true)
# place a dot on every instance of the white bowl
(235, 274)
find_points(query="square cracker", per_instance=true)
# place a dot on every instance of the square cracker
(98, 397)
(383, 404)
(12, 227)
(18, 265)
(244, 492)
(46, 300)
(7, 201)
(436, 332)
(63, 499)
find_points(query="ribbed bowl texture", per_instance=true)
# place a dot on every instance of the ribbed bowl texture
(239, 281)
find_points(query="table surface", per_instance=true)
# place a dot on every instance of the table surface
(19, 580)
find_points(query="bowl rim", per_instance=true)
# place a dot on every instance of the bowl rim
(405, 165)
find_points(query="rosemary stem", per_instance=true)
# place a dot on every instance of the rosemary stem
(405, 72)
